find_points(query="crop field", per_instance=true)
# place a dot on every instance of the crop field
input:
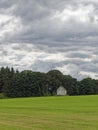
(49, 113)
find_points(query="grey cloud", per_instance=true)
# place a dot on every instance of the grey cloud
(44, 29)
(90, 67)
(28, 56)
(36, 16)
(6, 3)
(79, 55)
(39, 27)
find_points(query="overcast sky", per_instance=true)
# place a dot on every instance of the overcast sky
(50, 34)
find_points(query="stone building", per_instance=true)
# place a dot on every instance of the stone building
(61, 91)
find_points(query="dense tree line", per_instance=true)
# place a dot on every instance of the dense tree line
(28, 83)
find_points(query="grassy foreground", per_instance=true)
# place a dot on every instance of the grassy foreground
(49, 113)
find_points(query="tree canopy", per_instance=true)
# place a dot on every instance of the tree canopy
(28, 83)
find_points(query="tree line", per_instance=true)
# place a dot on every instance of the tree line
(28, 83)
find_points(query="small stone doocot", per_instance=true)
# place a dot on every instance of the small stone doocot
(61, 91)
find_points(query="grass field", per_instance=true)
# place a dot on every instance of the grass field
(49, 113)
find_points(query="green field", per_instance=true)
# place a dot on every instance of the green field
(49, 113)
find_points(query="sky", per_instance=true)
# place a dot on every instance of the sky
(42, 35)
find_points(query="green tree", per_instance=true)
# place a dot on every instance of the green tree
(87, 86)
(54, 78)
(70, 84)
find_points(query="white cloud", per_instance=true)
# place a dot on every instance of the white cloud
(9, 26)
(80, 14)
(89, 74)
